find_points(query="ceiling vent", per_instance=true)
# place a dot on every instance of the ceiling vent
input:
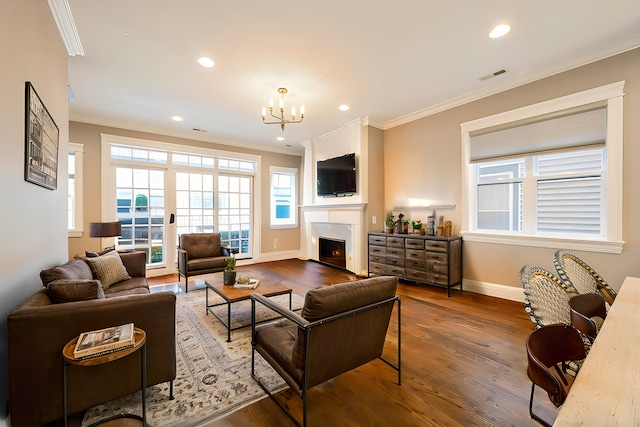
(492, 75)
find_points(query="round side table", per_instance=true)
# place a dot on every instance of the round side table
(140, 338)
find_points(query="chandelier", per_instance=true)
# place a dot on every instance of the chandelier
(281, 120)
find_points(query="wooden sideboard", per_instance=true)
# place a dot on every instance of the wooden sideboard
(422, 259)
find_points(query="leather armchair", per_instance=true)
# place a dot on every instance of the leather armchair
(200, 253)
(340, 327)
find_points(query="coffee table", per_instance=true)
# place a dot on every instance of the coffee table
(230, 295)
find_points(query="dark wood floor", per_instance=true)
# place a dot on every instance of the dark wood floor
(463, 363)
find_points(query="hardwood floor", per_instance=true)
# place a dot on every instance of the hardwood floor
(463, 363)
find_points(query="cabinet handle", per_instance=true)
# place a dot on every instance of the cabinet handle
(376, 250)
(436, 276)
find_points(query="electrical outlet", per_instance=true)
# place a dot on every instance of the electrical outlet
(374, 219)
(275, 243)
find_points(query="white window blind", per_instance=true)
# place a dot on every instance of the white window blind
(567, 131)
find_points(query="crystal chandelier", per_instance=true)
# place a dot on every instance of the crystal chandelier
(281, 120)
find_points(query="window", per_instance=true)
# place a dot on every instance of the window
(547, 175)
(284, 200)
(74, 206)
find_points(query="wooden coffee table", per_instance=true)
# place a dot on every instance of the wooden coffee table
(230, 295)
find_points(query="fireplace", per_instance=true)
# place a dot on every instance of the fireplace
(332, 251)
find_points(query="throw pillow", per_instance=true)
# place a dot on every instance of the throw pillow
(108, 269)
(70, 290)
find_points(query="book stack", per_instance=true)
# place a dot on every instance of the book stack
(104, 341)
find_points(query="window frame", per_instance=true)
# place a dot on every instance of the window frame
(293, 222)
(611, 96)
(78, 151)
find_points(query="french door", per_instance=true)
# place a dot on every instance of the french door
(159, 193)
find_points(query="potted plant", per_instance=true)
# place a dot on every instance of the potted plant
(405, 226)
(416, 224)
(229, 275)
(390, 222)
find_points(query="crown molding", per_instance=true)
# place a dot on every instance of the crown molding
(184, 135)
(64, 20)
(598, 54)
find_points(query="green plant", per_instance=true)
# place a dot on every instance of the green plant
(231, 265)
(390, 221)
(416, 224)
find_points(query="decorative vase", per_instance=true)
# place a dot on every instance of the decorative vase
(229, 278)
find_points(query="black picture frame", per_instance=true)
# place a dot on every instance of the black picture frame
(41, 136)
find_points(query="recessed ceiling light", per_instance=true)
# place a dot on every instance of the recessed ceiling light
(206, 62)
(177, 118)
(343, 107)
(280, 138)
(499, 31)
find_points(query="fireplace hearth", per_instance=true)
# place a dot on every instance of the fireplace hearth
(332, 251)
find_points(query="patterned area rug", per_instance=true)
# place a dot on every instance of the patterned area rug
(213, 376)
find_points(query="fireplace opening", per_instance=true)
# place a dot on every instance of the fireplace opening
(332, 251)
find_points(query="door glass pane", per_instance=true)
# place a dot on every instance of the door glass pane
(140, 209)
(194, 199)
(234, 212)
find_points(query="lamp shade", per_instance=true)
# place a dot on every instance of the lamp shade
(105, 229)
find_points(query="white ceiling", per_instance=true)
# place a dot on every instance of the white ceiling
(391, 61)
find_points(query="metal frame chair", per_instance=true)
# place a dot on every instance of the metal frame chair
(308, 351)
(549, 347)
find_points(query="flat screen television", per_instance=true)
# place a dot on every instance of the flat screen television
(337, 176)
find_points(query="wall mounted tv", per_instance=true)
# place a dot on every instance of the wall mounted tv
(337, 176)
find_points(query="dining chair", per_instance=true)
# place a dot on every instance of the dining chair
(588, 313)
(546, 298)
(548, 349)
(581, 276)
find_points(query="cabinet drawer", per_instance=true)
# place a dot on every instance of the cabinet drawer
(439, 279)
(399, 262)
(436, 257)
(377, 250)
(410, 263)
(395, 253)
(417, 275)
(436, 245)
(395, 271)
(377, 259)
(415, 254)
(377, 240)
(377, 268)
(397, 242)
(439, 268)
(414, 243)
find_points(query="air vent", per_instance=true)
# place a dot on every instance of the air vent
(492, 75)
(199, 130)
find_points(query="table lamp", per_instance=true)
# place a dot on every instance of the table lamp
(105, 229)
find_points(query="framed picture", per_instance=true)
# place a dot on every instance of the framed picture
(41, 142)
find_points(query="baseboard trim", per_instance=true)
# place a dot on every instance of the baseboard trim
(276, 256)
(511, 293)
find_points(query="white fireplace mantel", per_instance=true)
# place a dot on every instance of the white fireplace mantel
(342, 222)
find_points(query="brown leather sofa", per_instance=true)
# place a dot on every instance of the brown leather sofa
(200, 253)
(38, 329)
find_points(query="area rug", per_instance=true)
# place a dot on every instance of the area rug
(213, 376)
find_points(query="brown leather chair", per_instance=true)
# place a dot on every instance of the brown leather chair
(340, 327)
(548, 349)
(200, 253)
(588, 312)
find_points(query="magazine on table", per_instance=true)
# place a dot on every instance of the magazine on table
(104, 341)
(250, 284)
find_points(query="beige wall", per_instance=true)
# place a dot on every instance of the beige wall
(89, 135)
(422, 160)
(34, 219)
